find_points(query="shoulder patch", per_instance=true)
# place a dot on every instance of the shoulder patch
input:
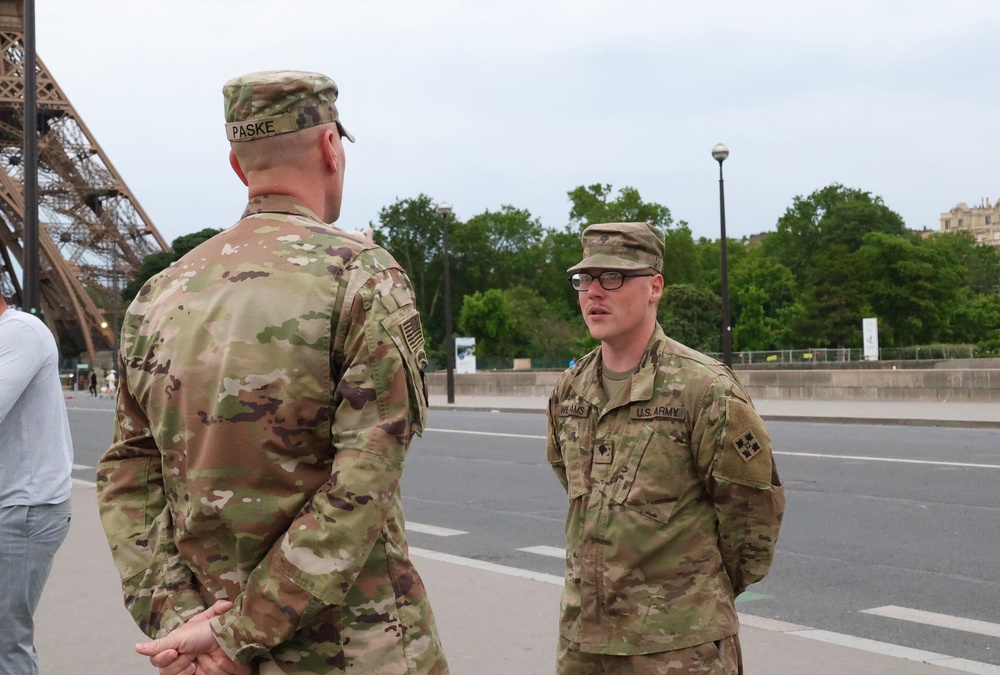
(413, 333)
(747, 446)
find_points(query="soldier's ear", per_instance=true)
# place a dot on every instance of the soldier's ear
(656, 288)
(235, 163)
(328, 143)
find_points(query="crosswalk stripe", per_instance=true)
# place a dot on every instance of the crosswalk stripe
(81, 467)
(433, 529)
(551, 551)
(935, 619)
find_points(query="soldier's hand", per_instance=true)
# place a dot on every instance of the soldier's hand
(218, 663)
(177, 653)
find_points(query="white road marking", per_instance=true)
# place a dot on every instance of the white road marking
(71, 408)
(790, 454)
(935, 619)
(85, 483)
(487, 566)
(81, 467)
(895, 651)
(889, 459)
(433, 529)
(486, 433)
(863, 644)
(551, 551)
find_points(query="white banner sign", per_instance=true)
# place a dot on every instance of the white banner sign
(465, 355)
(869, 330)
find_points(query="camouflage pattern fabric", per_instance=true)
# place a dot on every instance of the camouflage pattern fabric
(711, 658)
(272, 381)
(621, 246)
(276, 102)
(674, 501)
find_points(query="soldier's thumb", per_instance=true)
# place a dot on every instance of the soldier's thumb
(154, 647)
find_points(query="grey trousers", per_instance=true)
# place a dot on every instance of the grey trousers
(29, 539)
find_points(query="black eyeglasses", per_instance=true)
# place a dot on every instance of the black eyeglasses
(610, 281)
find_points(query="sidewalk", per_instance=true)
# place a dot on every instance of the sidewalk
(492, 623)
(967, 414)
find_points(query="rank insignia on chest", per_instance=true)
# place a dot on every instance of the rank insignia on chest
(603, 450)
(747, 446)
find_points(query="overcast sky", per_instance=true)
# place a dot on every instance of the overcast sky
(483, 103)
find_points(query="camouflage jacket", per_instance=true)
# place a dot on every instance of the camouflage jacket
(674, 501)
(272, 381)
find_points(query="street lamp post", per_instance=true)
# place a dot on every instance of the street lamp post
(719, 154)
(444, 209)
(31, 286)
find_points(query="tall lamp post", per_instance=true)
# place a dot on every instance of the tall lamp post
(31, 286)
(719, 154)
(444, 209)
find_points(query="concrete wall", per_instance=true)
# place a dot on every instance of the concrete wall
(937, 384)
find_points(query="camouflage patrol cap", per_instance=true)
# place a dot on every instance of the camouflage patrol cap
(276, 102)
(621, 246)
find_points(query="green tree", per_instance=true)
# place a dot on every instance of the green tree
(830, 216)
(912, 289)
(680, 256)
(538, 331)
(496, 249)
(692, 315)
(487, 317)
(594, 204)
(560, 251)
(775, 281)
(833, 307)
(752, 332)
(980, 263)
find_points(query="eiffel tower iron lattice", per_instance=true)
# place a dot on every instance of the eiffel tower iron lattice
(93, 234)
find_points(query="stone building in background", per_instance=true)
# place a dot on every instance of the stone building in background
(982, 221)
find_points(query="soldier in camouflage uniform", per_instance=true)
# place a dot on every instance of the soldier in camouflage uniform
(674, 499)
(271, 383)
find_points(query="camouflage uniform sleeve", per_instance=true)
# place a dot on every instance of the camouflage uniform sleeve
(379, 403)
(158, 587)
(734, 453)
(552, 450)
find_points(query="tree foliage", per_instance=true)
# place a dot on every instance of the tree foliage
(836, 256)
(594, 204)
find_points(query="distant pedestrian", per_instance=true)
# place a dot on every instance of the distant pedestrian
(36, 459)
(674, 499)
(93, 383)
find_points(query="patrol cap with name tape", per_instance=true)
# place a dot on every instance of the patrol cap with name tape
(276, 102)
(621, 246)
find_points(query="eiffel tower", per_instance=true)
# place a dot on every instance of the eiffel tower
(93, 234)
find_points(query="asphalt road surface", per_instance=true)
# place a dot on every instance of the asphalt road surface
(890, 533)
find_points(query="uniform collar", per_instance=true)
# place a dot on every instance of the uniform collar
(274, 203)
(588, 385)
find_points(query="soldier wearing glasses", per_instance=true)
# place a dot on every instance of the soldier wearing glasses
(674, 498)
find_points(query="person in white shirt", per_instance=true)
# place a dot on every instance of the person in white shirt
(36, 460)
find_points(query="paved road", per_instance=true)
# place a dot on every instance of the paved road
(877, 517)
(918, 532)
